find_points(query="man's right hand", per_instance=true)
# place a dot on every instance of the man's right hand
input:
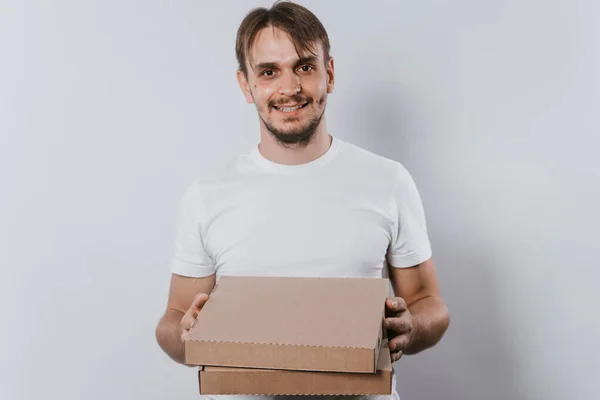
(189, 318)
(187, 296)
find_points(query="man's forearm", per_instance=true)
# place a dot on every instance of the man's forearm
(430, 320)
(166, 335)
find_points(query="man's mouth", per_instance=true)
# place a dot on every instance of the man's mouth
(290, 109)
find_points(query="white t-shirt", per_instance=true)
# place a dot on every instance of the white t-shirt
(349, 213)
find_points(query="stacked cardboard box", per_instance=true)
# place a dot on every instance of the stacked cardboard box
(284, 336)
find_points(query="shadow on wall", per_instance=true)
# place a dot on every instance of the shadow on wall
(475, 359)
(392, 123)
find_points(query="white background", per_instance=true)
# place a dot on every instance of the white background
(109, 109)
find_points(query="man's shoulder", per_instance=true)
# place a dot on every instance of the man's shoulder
(219, 175)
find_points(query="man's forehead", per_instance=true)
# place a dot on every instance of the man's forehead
(275, 46)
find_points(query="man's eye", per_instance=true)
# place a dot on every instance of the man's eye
(268, 73)
(306, 68)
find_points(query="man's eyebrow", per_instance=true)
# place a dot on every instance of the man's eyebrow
(266, 65)
(306, 60)
(273, 65)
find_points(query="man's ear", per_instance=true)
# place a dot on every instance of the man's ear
(330, 75)
(245, 86)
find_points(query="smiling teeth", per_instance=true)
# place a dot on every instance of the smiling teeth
(288, 109)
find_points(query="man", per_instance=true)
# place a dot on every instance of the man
(302, 202)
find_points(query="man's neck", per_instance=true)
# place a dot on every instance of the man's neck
(293, 155)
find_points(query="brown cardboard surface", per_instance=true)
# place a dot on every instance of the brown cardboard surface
(224, 380)
(309, 324)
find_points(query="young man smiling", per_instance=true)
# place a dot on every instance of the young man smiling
(302, 202)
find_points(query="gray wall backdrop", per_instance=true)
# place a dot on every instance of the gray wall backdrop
(108, 110)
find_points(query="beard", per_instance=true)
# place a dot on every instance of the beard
(297, 137)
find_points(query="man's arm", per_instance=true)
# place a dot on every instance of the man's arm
(419, 317)
(186, 298)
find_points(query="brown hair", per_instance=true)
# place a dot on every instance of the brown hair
(303, 27)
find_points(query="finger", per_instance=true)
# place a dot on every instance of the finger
(188, 320)
(199, 301)
(399, 343)
(396, 304)
(396, 356)
(184, 335)
(399, 325)
(186, 324)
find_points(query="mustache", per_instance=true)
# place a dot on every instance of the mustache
(298, 99)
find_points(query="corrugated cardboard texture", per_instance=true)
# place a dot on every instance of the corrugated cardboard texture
(224, 380)
(311, 324)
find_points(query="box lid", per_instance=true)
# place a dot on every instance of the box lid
(320, 324)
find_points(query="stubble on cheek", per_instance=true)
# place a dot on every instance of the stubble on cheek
(263, 106)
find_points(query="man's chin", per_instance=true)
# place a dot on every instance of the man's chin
(293, 137)
(292, 132)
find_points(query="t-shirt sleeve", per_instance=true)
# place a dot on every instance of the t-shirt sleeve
(190, 257)
(410, 243)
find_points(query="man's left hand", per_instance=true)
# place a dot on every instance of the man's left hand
(399, 325)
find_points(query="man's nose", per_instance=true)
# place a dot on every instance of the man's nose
(289, 84)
